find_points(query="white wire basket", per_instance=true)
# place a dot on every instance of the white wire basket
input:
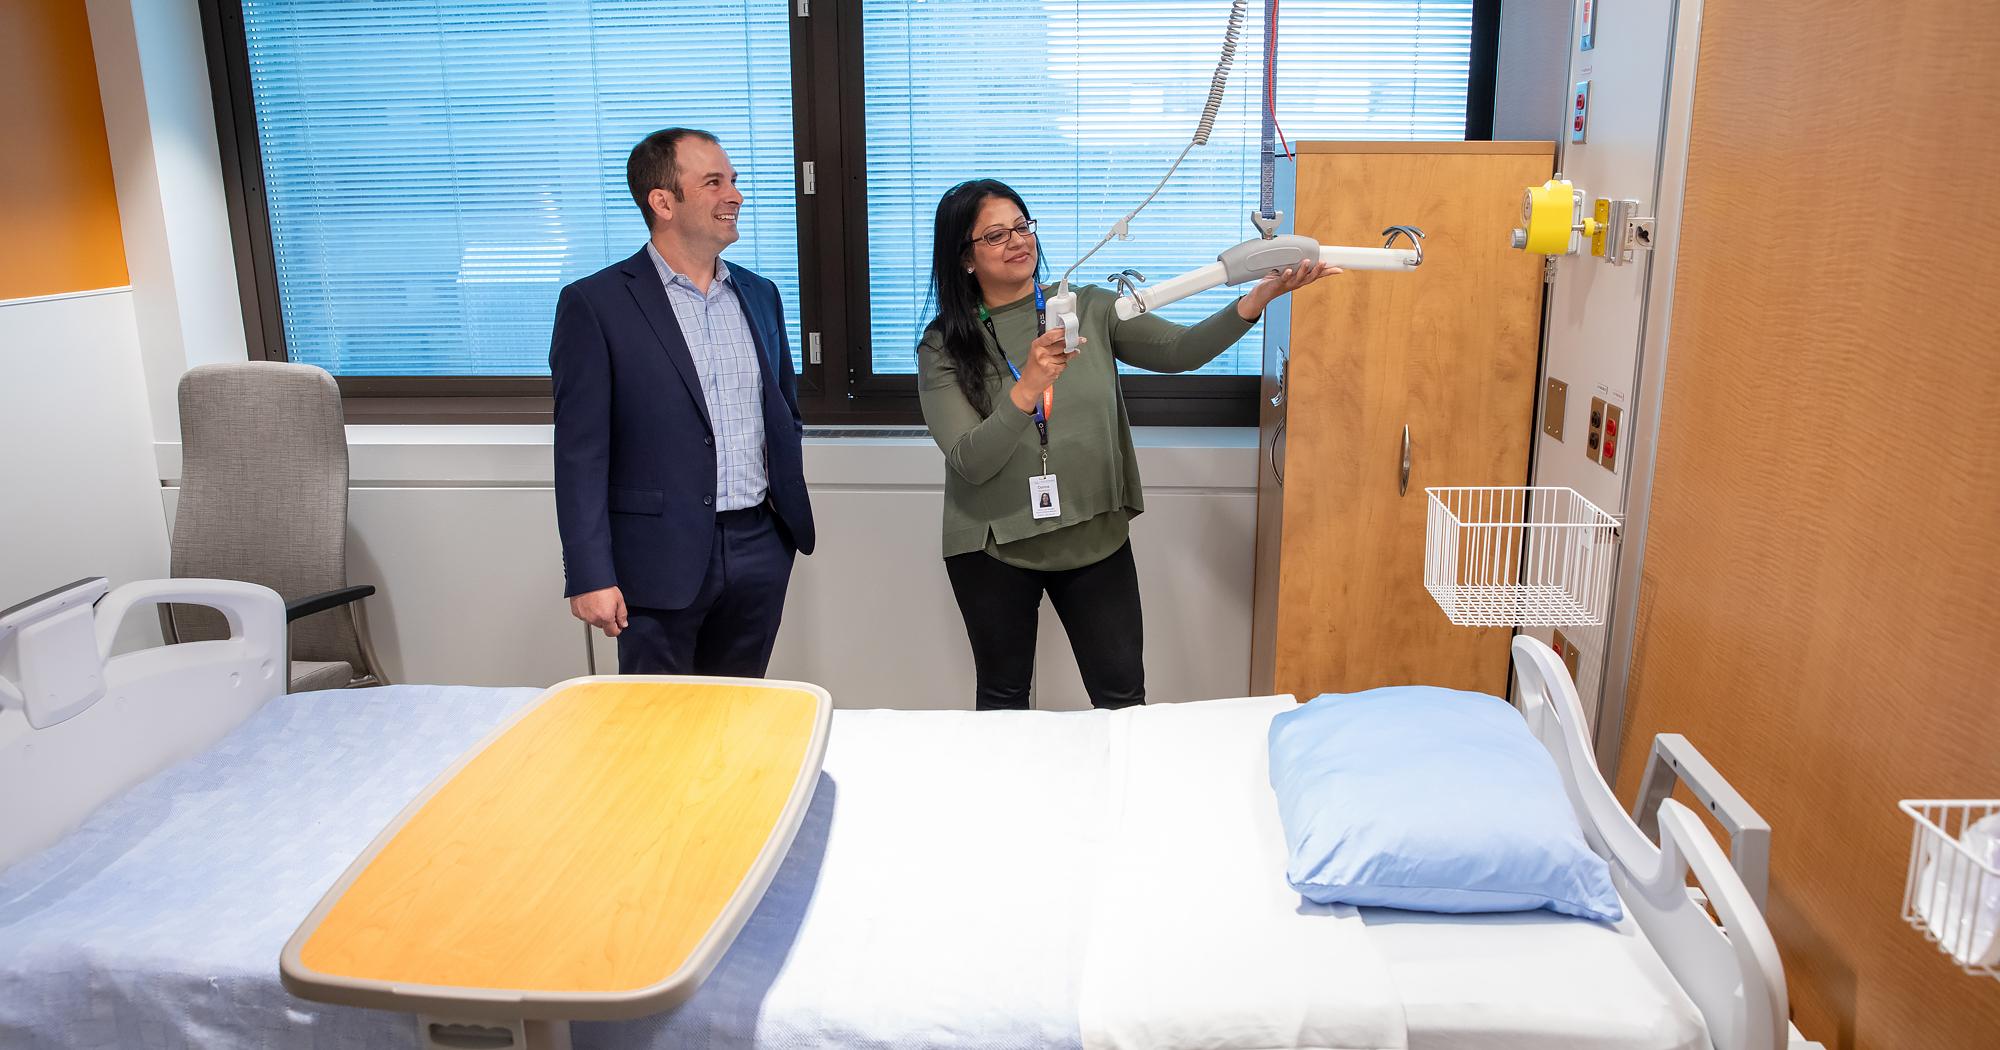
(1519, 557)
(1952, 895)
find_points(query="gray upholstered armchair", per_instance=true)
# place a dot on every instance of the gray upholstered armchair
(264, 499)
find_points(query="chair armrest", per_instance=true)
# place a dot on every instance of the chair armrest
(318, 603)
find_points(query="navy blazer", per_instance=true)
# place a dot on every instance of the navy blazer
(634, 450)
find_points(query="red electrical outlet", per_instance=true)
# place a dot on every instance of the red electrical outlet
(1608, 456)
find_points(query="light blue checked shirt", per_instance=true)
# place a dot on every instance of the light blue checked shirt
(725, 355)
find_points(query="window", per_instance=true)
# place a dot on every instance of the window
(413, 181)
(436, 170)
(1099, 97)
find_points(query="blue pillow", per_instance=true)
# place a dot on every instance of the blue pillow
(1429, 800)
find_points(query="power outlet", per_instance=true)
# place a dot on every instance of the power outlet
(1567, 650)
(1596, 438)
(1614, 438)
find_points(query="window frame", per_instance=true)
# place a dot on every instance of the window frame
(828, 128)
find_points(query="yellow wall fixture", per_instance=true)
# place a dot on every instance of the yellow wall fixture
(1551, 213)
(1553, 223)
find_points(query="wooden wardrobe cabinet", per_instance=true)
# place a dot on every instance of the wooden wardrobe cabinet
(1448, 351)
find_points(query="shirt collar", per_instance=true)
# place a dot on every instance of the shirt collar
(668, 276)
(1026, 301)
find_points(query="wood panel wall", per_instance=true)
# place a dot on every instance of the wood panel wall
(1820, 603)
(58, 209)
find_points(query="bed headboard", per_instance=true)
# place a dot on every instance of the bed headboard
(1731, 970)
(78, 725)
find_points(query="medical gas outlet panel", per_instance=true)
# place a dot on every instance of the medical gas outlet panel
(1600, 229)
(1558, 220)
(1595, 225)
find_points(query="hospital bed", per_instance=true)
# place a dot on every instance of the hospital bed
(1033, 879)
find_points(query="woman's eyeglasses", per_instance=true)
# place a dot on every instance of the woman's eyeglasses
(996, 238)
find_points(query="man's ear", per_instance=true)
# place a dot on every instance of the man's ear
(662, 202)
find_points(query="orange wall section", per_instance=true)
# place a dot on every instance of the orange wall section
(59, 227)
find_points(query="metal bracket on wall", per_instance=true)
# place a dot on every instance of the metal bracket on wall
(1625, 230)
(1674, 760)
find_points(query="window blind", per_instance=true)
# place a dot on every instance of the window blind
(1081, 105)
(437, 170)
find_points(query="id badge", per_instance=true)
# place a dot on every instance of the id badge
(1043, 499)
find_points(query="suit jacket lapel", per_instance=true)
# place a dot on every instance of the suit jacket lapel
(644, 282)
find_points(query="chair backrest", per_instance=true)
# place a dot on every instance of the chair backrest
(263, 496)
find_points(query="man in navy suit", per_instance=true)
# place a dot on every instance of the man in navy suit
(680, 492)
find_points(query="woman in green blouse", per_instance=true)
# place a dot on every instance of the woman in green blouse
(1041, 480)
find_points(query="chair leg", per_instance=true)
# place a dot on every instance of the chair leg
(358, 617)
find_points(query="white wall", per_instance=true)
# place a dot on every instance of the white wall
(457, 526)
(85, 379)
(152, 73)
(79, 495)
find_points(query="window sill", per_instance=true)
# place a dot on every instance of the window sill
(519, 456)
(1152, 400)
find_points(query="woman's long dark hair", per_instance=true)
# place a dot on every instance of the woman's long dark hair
(956, 293)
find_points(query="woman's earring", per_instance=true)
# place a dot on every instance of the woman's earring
(968, 269)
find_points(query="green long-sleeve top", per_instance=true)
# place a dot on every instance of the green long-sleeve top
(989, 460)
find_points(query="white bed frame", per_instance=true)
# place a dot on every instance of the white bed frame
(78, 726)
(1731, 971)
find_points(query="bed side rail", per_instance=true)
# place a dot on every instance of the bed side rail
(57, 668)
(1727, 964)
(79, 726)
(1680, 930)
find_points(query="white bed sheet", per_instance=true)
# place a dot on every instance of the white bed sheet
(157, 925)
(939, 900)
(1197, 941)
(1532, 981)
(937, 896)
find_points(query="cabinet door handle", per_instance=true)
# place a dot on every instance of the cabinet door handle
(1278, 435)
(1403, 483)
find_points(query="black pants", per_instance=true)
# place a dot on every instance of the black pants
(1099, 606)
(732, 623)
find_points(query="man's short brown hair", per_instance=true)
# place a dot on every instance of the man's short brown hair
(653, 166)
